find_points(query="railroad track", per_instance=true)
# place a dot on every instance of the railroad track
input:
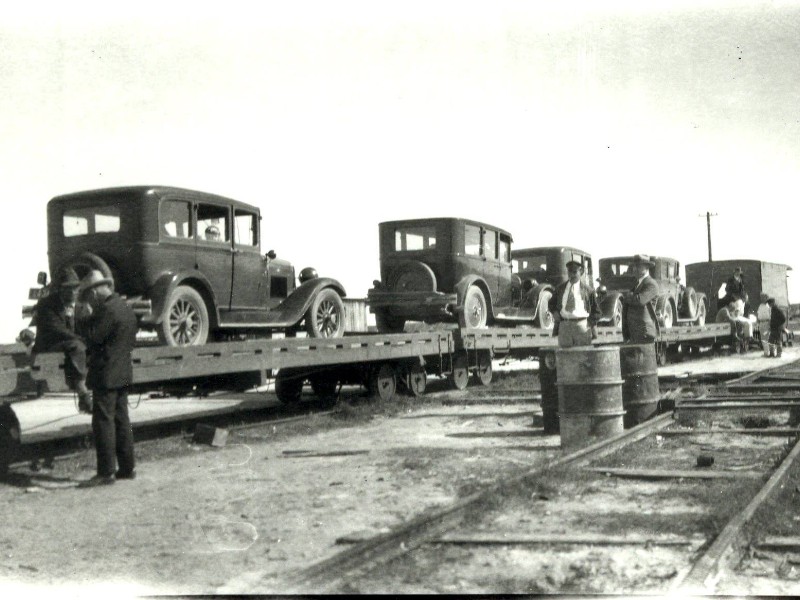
(660, 508)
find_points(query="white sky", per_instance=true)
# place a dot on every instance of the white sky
(608, 128)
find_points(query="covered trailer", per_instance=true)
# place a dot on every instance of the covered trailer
(759, 276)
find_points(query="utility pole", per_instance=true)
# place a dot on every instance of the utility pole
(708, 216)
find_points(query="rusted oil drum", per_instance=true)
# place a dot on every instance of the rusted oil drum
(640, 392)
(589, 395)
(547, 381)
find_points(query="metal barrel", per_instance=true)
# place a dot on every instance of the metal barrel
(640, 393)
(589, 395)
(547, 381)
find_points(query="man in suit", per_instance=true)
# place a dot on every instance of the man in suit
(110, 332)
(54, 317)
(639, 320)
(574, 309)
(777, 325)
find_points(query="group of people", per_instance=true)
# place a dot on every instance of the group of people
(95, 329)
(769, 317)
(576, 312)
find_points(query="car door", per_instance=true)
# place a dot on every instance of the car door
(250, 287)
(214, 249)
(502, 271)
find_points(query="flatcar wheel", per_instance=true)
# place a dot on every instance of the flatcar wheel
(460, 375)
(661, 354)
(416, 380)
(324, 386)
(289, 386)
(484, 370)
(383, 382)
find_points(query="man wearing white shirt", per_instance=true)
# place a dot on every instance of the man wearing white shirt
(574, 308)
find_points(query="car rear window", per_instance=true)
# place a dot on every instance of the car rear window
(90, 220)
(414, 237)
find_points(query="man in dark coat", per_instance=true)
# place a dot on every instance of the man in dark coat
(110, 333)
(639, 320)
(54, 317)
(574, 309)
(777, 322)
(734, 288)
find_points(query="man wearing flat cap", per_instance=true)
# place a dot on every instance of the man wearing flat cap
(763, 315)
(639, 320)
(54, 317)
(110, 333)
(574, 309)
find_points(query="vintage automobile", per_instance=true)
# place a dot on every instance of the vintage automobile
(446, 270)
(676, 303)
(196, 258)
(541, 270)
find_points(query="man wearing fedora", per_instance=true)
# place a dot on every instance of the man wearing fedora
(639, 320)
(110, 331)
(54, 317)
(574, 309)
(734, 288)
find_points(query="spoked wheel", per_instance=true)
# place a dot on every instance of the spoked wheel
(484, 369)
(701, 314)
(544, 316)
(185, 319)
(289, 386)
(416, 380)
(325, 316)
(669, 315)
(616, 317)
(383, 382)
(459, 378)
(474, 315)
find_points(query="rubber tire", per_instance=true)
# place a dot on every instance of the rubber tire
(689, 304)
(616, 314)
(542, 310)
(193, 302)
(325, 317)
(475, 313)
(669, 311)
(416, 380)
(700, 320)
(85, 262)
(387, 323)
(412, 276)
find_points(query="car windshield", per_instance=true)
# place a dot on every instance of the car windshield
(90, 220)
(414, 237)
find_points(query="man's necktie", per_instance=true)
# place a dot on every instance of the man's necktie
(570, 307)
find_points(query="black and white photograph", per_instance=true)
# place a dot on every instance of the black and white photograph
(423, 297)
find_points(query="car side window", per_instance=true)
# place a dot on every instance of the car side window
(490, 244)
(245, 228)
(505, 249)
(212, 223)
(472, 240)
(175, 217)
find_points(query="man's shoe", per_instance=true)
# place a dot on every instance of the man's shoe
(97, 480)
(126, 474)
(85, 402)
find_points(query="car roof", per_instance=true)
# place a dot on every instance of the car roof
(548, 249)
(630, 257)
(442, 219)
(143, 191)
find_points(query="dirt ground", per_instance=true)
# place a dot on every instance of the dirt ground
(274, 499)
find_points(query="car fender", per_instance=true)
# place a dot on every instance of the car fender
(166, 284)
(537, 292)
(298, 302)
(463, 285)
(607, 303)
(661, 303)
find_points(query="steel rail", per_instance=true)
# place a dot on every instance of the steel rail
(403, 538)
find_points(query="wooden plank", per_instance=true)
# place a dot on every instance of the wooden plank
(736, 405)
(780, 543)
(779, 432)
(678, 474)
(598, 539)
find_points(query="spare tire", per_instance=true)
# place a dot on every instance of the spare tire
(689, 303)
(412, 276)
(85, 262)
